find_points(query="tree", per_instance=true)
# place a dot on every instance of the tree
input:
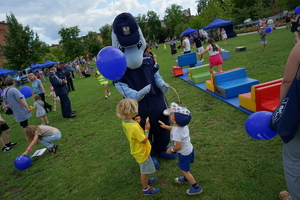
(228, 7)
(154, 25)
(212, 11)
(142, 22)
(92, 44)
(49, 56)
(201, 6)
(23, 47)
(260, 10)
(106, 31)
(58, 52)
(173, 17)
(180, 28)
(72, 45)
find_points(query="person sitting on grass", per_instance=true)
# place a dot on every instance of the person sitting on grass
(180, 135)
(215, 58)
(43, 134)
(139, 144)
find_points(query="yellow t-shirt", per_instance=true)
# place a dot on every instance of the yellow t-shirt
(135, 135)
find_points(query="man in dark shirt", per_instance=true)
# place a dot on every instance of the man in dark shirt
(58, 81)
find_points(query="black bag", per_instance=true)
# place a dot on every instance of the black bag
(286, 118)
(7, 109)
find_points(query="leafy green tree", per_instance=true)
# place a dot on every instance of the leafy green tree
(72, 45)
(228, 7)
(212, 11)
(92, 44)
(106, 34)
(180, 28)
(23, 46)
(58, 52)
(142, 22)
(154, 25)
(49, 56)
(173, 16)
(260, 9)
(201, 6)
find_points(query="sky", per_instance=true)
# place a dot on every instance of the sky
(47, 17)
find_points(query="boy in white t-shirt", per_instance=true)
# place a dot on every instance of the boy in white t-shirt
(180, 135)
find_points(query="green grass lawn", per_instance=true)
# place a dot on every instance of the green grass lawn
(94, 162)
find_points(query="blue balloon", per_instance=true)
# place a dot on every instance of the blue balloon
(111, 63)
(22, 162)
(26, 91)
(268, 30)
(155, 162)
(297, 10)
(257, 126)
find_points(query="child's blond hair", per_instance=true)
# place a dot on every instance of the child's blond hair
(36, 97)
(127, 108)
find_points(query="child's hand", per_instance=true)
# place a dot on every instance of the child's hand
(147, 124)
(169, 151)
(163, 125)
(137, 119)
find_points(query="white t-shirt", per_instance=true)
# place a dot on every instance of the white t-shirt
(187, 45)
(212, 52)
(182, 134)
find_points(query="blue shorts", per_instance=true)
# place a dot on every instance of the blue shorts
(184, 162)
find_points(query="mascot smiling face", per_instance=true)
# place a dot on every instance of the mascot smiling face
(128, 37)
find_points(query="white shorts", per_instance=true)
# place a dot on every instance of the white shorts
(200, 49)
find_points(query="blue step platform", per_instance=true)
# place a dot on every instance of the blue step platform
(234, 101)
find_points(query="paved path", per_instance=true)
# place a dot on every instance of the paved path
(241, 34)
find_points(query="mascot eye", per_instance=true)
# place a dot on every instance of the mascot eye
(139, 44)
(122, 49)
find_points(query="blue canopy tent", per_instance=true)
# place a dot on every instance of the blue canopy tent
(35, 66)
(5, 72)
(227, 25)
(189, 31)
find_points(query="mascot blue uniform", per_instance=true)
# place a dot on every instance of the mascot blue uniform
(142, 81)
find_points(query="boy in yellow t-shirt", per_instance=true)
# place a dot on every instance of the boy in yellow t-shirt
(140, 146)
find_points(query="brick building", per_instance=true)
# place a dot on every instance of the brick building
(3, 31)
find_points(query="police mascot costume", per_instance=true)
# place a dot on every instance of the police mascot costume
(142, 81)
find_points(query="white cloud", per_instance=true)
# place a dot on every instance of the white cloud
(48, 17)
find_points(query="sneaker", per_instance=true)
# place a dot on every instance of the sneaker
(106, 97)
(152, 180)
(6, 149)
(202, 60)
(109, 94)
(150, 190)
(181, 180)
(11, 144)
(193, 191)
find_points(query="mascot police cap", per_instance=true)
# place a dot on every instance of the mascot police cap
(126, 29)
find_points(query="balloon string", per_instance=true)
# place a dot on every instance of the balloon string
(176, 94)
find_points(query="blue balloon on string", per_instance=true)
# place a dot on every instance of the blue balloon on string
(297, 10)
(22, 162)
(257, 126)
(268, 30)
(111, 63)
(26, 91)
